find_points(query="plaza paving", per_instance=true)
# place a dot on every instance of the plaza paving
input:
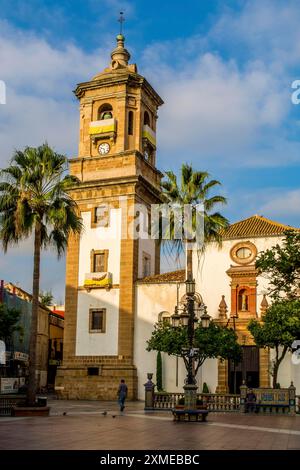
(81, 425)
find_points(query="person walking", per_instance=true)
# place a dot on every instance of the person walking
(122, 394)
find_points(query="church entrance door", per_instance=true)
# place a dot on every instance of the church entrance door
(247, 370)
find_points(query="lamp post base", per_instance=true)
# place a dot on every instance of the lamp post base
(190, 396)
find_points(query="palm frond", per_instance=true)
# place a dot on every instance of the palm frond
(193, 191)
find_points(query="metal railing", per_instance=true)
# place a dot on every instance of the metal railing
(8, 401)
(213, 401)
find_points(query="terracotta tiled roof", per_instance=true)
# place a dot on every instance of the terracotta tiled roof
(59, 313)
(174, 276)
(255, 226)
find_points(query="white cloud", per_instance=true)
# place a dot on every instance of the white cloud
(282, 204)
(268, 29)
(228, 110)
(40, 106)
(276, 203)
(217, 111)
(39, 81)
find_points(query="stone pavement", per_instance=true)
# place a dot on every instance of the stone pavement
(81, 425)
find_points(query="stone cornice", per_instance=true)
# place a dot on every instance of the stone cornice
(117, 181)
(242, 271)
(117, 155)
(111, 79)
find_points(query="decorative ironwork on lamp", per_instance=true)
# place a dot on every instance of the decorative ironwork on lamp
(175, 318)
(190, 287)
(205, 318)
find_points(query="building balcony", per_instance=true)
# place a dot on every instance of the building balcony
(104, 129)
(96, 280)
(149, 136)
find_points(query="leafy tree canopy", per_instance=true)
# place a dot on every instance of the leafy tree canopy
(280, 325)
(281, 266)
(212, 342)
(9, 318)
(278, 329)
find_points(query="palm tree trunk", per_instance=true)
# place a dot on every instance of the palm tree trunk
(31, 393)
(189, 264)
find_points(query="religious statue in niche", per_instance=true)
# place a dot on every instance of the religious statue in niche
(243, 301)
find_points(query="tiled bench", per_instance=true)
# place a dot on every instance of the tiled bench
(189, 415)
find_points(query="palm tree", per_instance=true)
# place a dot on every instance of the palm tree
(193, 190)
(34, 199)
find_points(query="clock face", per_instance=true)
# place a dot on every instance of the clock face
(104, 148)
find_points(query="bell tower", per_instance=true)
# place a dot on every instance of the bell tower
(118, 110)
(116, 167)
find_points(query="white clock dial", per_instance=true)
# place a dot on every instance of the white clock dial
(104, 148)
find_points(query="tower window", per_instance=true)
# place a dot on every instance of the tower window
(105, 112)
(146, 119)
(99, 261)
(130, 123)
(97, 320)
(101, 215)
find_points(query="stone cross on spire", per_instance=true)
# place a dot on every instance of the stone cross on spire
(120, 56)
(121, 21)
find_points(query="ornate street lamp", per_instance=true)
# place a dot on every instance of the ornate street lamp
(190, 287)
(175, 318)
(205, 318)
(186, 316)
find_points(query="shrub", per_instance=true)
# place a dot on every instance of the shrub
(205, 388)
(159, 372)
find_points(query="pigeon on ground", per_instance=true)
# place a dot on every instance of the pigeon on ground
(113, 416)
(64, 413)
(104, 413)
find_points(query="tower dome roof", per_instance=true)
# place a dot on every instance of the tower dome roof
(120, 56)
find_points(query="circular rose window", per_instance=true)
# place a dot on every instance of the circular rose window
(243, 253)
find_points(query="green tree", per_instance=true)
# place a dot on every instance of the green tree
(281, 266)
(213, 342)
(9, 318)
(194, 189)
(34, 199)
(159, 372)
(46, 298)
(279, 327)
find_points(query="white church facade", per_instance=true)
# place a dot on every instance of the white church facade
(114, 292)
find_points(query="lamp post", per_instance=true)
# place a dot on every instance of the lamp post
(187, 317)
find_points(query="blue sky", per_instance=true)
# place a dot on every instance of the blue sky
(223, 68)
